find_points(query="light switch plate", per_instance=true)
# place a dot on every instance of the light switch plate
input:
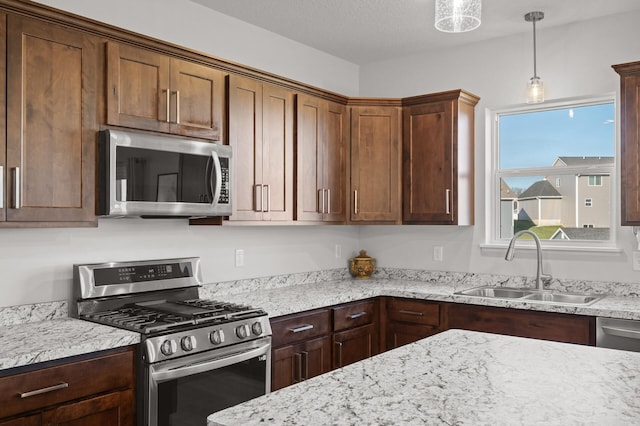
(438, 253)
(239, 258)
(636, 260)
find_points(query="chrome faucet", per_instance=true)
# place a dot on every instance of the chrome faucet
(511, 251)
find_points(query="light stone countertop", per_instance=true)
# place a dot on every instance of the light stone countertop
(463, 378)
(33, 342)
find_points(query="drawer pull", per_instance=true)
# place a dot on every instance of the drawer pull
(301, 328)
(44, 390)
(358, 315)
(414, 313)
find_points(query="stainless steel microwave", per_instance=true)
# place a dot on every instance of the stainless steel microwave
(153, 176)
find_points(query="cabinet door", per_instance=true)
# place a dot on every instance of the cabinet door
(113, 409)
(197, 93)
(294, 363)
(630, 144)
(245, 135)
(310, 202)
(277, 153)
(354, 345)
(428, 183)
(399, 333)
(334, 153)
(51, 122)
(138, 93)
(34, 420)
(375, 164)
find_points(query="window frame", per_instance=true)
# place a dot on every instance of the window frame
(492, 176)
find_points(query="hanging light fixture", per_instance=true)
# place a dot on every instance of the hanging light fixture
(457, 16)
(535, 86)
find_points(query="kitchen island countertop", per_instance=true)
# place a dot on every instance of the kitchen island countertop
(461, 377)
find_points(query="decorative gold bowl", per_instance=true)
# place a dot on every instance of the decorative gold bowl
(361, 267)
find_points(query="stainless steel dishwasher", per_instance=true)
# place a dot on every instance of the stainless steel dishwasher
(618, 334)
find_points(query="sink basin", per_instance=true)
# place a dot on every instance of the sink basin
(572, 299)
(496, 292)
(531, 295)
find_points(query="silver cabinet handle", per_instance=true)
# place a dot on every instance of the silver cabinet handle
(447, 197)
(320, 200)
(358, 315)
(328, 201)
(44, 390)
(298, 366)
(414, 313)
(17, 202)
(1, 187)
(621, 332)
(268, 188)
(258, 196)
(177, 107)
(339, 353)
(301, 328)
(168, 106)
(305, 360)
(355, 201)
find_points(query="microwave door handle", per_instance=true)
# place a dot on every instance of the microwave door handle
(217, 186)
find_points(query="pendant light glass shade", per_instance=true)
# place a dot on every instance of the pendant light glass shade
(458, 16)
(535, 86)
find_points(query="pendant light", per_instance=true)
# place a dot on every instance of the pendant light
(457, 16)
(535, 86)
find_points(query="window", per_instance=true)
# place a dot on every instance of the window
(546, 157)
(595, 180)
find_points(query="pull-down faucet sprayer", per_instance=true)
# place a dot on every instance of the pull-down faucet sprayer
(511, 251)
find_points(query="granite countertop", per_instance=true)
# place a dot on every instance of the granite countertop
(461, 377)
(52, 339)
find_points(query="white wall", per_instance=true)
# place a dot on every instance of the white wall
(189, 24)
(573, 60)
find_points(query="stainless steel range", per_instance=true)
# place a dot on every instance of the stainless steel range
(197, 356)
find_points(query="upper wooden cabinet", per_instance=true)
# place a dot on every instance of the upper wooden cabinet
(629, 142)
(437, 158)
(261, 132)
(151, 91)
(321, 140)
(375, 194)
(51, 124)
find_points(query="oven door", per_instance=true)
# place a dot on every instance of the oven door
(187, 390)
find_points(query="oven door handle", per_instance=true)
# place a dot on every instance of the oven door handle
(215, 363)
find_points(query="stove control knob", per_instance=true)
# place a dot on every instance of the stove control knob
(242, 331)
(168, 347)
(256, 328)
(216, 337)
(188, 343)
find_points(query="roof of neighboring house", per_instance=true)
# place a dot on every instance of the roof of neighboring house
(540, 189)
(583, 161)
(505, 192)
(581, 234)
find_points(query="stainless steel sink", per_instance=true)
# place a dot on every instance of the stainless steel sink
(531, 295)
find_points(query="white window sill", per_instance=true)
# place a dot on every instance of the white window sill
(563, 248)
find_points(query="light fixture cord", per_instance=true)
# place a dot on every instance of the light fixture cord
(535, 73)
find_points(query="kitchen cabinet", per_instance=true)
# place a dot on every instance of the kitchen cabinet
(322, 131)
(629, 142)
(437, 158)
(375, 195)
(152, 91)
(64, 394)
(409, 320)
(566, 328)
(301, 347)
(47, 156)
(261, 132)
(355, 332)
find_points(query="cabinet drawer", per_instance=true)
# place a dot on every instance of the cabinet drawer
(298, 327)
(42, 388)
(413, 311)
(353, 315)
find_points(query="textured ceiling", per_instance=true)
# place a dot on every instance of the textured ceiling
(365, 31)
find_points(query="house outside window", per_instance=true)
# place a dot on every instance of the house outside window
(533, 146)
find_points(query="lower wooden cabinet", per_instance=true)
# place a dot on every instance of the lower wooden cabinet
(94, 391)
(295, 363)
(354, 345)
(409, 320)
(557, 327)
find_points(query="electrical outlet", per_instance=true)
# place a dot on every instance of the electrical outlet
(338, 251)
(438, 253)
(636, 260)
(239, 258)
